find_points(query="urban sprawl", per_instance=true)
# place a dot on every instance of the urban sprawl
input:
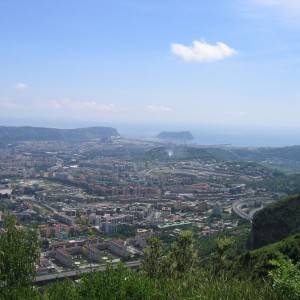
(96, 202)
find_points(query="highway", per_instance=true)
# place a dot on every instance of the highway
(43, 279)
(236, 208)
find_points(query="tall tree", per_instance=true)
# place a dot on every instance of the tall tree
(182, 256)
(19, 251)
(153, 259)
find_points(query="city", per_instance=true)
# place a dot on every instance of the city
(95, 202)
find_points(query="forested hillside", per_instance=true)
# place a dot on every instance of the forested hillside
(276, 222)
(17, 134)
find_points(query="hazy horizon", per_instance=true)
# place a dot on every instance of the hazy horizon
(204, 134)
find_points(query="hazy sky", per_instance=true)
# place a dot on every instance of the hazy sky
(234, 62)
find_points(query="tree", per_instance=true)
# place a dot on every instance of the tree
(19, 251)
(182, 256)
(152, 264)
(117, 283)
(61, 291)
(223, 244)
(286, 279)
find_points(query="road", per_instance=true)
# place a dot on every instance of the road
(236, 208)
(42, 279)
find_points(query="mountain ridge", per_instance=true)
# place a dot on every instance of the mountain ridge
(10, 134)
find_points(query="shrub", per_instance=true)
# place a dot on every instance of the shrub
(286, 279)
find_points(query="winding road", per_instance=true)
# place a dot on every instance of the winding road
(236, 207)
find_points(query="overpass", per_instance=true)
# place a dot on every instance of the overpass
(73, 274)
(236, 207)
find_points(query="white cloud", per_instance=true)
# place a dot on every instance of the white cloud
(20, 86)
(158, 108)
(200, 51)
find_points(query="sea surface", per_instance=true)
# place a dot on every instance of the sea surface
(204, 134)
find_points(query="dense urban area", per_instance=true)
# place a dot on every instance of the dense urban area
(98, 201)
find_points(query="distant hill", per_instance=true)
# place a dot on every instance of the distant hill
(177, 152)
(183, 152)
(180, 136)
(18, 134)
(291, 153)
(276, 222)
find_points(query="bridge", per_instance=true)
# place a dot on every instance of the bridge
(73, 274)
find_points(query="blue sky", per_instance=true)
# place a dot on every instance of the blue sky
(233, 62)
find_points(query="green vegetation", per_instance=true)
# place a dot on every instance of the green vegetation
(180, 259)
(153, 263)
(280, 183)
(181, 152)
(291, 153)
(218, 267)
(19, 251)
(171, 274)
(286, 279)
(257, 263)
(17, 134)
(276, 222)
(210, 248)
(227, 252)
(121, 283)
(284, 159)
